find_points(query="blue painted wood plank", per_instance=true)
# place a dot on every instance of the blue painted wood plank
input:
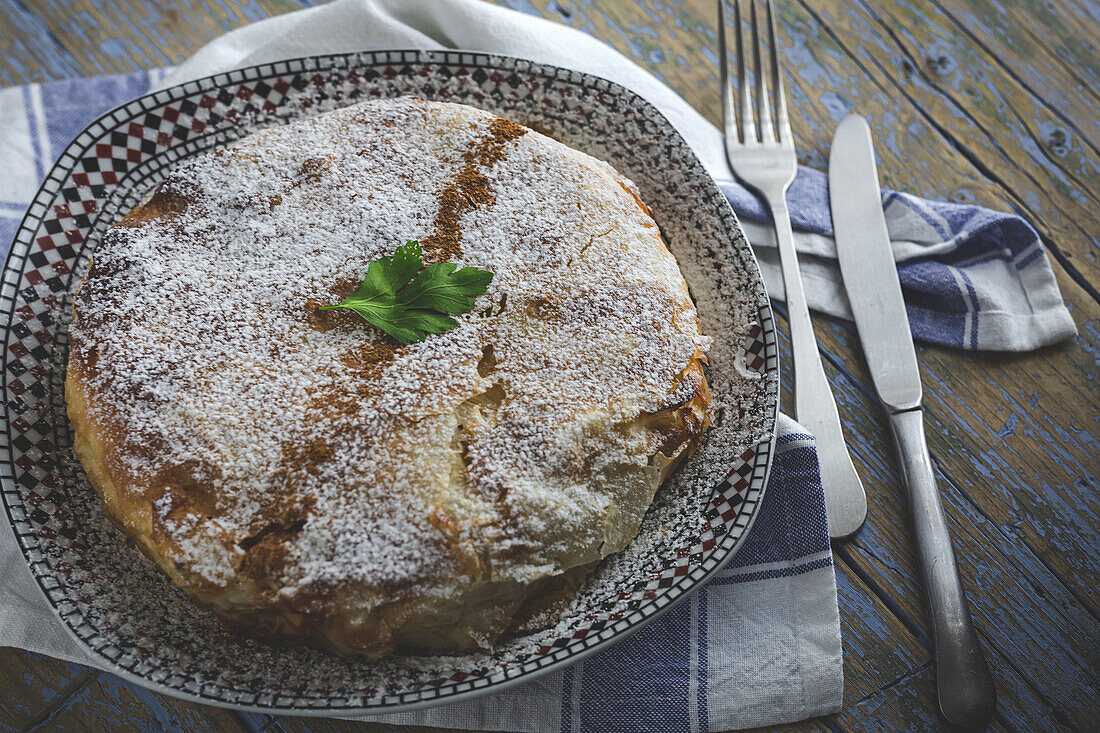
(32, 683)
(31, 51)
(108, 703)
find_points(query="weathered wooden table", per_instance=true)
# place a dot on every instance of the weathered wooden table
(971, 100)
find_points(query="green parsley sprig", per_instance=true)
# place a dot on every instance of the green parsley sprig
(409, 301)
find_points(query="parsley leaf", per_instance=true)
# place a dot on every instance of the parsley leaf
(408, 302)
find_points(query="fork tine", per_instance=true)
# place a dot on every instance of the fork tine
(748, 126)
(782, 121)
(729, 112)
(763, 108)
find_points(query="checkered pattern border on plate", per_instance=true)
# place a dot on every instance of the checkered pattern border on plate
(114, 163)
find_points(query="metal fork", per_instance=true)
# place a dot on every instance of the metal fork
(765, 161)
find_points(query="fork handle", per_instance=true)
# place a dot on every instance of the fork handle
(814, 406)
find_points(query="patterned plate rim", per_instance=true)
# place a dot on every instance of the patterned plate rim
(718, 556)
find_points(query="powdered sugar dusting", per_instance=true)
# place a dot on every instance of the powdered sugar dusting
(201, 338)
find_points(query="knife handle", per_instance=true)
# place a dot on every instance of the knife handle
(963, 681)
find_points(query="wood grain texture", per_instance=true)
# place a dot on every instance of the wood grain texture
(994, 571)
(973, 101)
(108, 704)
(32, 686)
(990, 133)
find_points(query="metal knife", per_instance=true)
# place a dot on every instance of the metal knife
(964, 684)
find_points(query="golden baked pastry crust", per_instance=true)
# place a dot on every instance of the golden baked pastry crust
(313, 481)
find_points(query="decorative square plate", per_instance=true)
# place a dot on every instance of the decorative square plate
(132, 619)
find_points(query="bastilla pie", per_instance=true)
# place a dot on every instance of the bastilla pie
(314, 480)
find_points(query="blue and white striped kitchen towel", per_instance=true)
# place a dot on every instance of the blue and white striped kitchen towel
(972, 278)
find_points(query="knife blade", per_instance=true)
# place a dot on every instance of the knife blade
(964, 685)
(867, 263)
